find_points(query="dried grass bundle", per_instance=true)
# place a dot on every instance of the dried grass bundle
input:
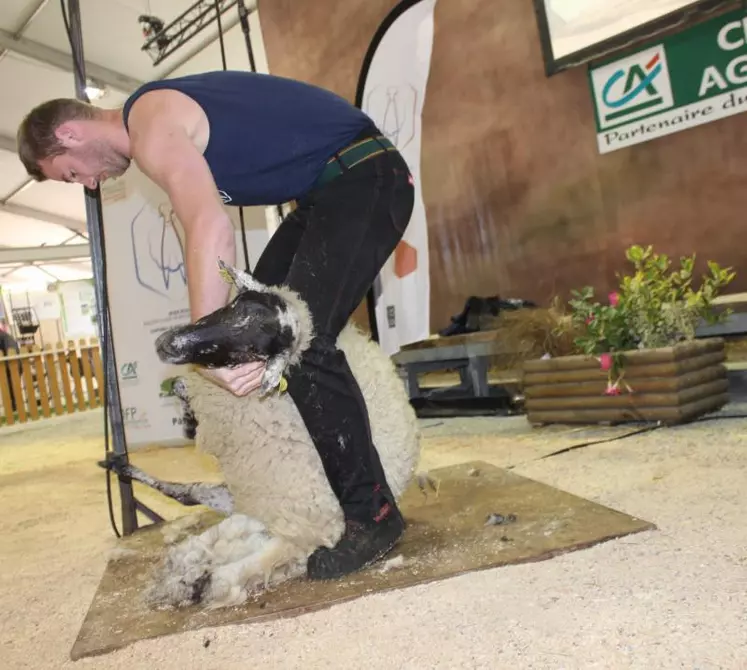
(528, 334)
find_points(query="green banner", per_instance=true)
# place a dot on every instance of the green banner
(679, 82)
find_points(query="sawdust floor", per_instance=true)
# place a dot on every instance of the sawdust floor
(672, 598)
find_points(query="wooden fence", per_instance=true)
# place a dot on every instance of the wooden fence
(39, 383)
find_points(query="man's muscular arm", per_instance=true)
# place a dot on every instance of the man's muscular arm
(162, 129)
(164, 150)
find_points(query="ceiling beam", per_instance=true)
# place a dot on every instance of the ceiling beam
(43, 254)
(227, 26)
(64, 61)
(32, 13)
(77, 227)
(30, 213)
(17, 190)
(8, 143)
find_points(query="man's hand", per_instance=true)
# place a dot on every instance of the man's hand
(240, 381)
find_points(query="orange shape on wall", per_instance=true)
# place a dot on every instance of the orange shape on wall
(405, 259)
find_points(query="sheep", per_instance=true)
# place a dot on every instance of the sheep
(278, 503)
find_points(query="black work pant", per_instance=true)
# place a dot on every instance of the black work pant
(329, 250)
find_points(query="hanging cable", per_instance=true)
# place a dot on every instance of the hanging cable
(76, 63)
(220, 35)
(243, 240)
(103, 309)
(244, 22)
(225, 67)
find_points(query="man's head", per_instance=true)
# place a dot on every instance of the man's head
(73, 141)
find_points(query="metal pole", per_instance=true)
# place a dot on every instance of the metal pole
(93, 220)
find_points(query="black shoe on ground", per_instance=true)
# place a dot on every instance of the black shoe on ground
(362, 545)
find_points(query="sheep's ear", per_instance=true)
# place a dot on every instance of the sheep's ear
(242, 280)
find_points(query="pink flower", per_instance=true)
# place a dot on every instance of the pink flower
(589, 319)
(605, 361)
(612, 390)
(614, 299)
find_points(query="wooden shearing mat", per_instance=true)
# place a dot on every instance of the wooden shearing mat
(446, 536)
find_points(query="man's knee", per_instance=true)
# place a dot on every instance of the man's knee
(321, 354)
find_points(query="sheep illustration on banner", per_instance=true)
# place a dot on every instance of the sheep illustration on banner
(147, 286)
(391, 91)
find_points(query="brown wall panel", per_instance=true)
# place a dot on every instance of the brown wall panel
(321, 41)
(519, 201)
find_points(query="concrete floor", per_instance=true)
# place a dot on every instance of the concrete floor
(673, 598)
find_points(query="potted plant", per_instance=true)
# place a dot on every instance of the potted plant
(636, 357)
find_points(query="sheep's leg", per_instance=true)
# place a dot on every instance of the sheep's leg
(215, 496)
(190, 423)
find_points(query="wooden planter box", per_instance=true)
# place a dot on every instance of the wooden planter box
(672, 385)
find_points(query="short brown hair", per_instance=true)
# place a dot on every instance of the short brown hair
(36, 135)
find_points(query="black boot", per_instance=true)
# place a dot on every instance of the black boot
(364, 542)
(334, 411)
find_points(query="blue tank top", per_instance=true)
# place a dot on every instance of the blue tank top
(270, 137)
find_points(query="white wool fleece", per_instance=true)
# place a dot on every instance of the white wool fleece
(284, 506)
(269, 461)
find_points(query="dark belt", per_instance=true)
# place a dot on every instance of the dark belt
(353, 155)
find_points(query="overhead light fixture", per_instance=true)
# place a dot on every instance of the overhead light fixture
(94, 91)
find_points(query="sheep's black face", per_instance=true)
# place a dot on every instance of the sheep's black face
(254, 326)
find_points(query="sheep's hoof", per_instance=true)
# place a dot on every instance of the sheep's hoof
(272, 381)
(179, 388)
(266, 389)
(272, 378)
(280, 387)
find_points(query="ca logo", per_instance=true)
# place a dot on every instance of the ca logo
(632, 87)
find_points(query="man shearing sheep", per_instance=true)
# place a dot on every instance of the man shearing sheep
(243, 139)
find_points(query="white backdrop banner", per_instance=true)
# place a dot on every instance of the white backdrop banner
(147, 285)
(393, 97)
